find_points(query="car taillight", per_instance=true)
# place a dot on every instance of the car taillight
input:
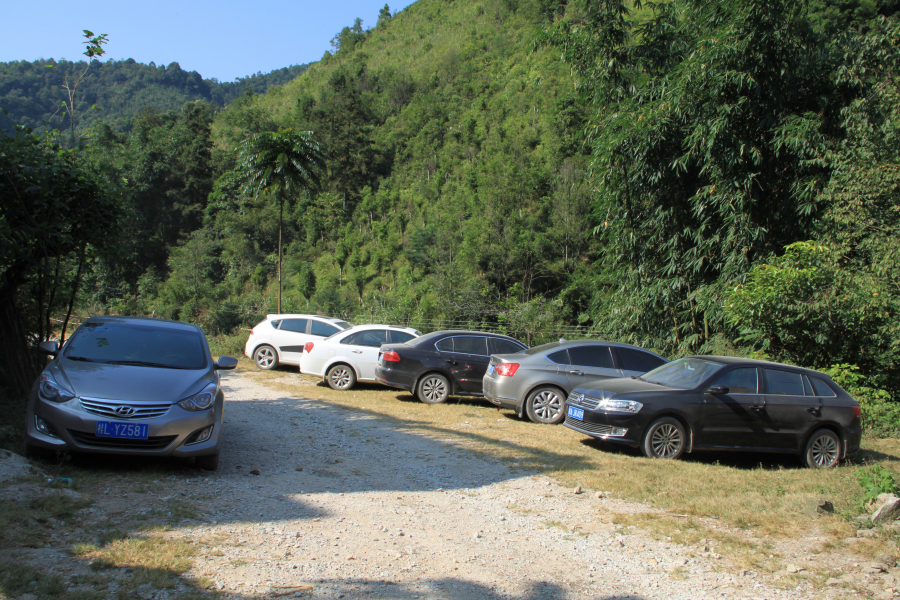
(857, 411)
(507, 369)
(253, 331)
(307, 347)
(390, 356)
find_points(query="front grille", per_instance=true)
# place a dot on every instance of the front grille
(584, 401)
(107, 408)
(589, 427)
(89, 440)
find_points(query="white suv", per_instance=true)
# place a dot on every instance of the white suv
(351, 356)
(280, 338)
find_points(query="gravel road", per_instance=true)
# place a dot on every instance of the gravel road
(338, 503)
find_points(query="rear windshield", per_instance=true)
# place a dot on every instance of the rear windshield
(343, 324)
(540, 348)
(683, 374)
(135, 344)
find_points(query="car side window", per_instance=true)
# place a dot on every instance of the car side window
(372, 337)
(821, 388)
(637, 360)
(739, 381)
(295, 325)
(323, 329)
(350, 339)
(400, 337)
(445, 345)
(783, 383)
(560, 357)
(276, 323)
(591, 356)
(501, 346)
(470, 344)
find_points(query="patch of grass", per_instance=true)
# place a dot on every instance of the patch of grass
(183, 510)
(153, 558)
(16, 580)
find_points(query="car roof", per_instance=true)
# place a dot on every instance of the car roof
(295, 316)
(434, 334)
(380, 326)
(738, 360)
(564, 343)
(164, 323)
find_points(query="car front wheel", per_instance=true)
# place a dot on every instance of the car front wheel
(823, 450)
(433, 389)
(266, 358)
(665, 438)
(545, 405)
(340, 377)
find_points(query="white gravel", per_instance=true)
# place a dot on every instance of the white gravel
(379, 511)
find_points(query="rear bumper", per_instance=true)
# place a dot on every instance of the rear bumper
(393, 378)
(503, 402)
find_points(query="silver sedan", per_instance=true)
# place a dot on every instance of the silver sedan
(130, 385)
(537, 381)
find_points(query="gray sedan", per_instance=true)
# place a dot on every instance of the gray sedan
(129, 385)
(536, 382)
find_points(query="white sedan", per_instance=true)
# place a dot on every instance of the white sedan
(350, 356)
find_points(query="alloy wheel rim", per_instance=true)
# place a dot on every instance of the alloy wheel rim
(434, 388)
(547, 405)
(666, 441)
(340, 378)
(824, 451)
(264, 357)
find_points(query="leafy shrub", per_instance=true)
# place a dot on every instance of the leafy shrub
(880, 413)
(876, 480)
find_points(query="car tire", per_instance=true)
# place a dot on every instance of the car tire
(209, 462)
(664, 438)
(340, 377)
(545, 405)
(433, 388)
(823, 450)
(265, 357)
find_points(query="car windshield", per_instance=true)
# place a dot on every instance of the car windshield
(683, 374)
(540, 348)
(137, 344)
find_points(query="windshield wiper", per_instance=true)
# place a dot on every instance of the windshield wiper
(143, 363)
(81, 358)
(654, 382)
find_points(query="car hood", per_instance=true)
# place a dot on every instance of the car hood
(130, 383)
(605, 388)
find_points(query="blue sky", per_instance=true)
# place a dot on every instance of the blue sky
(222, 39)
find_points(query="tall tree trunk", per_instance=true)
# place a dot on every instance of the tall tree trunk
(62, 336)
(17, 366)
(53, 295)
(280, 218)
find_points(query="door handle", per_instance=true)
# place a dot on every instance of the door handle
(356, 351)
(452, 362)
(814, 410)
(757, 408)
(576, 373)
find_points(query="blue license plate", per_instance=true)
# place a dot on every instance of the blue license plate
(128, 431)
(491, 370)
(576, 413)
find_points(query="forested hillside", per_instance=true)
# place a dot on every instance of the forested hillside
(690, 176)
(31, 92)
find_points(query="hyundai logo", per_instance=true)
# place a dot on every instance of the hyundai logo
(124, 411)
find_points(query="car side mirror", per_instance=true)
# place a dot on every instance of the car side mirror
(717, 390)
(226, 363)
(51, 348)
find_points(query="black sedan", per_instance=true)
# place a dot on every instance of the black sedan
(440, 364)
(722, 403)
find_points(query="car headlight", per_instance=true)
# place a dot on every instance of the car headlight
(626, 406)
(50, 390)
(202, 400)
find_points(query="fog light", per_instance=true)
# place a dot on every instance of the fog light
(200, 436)
(618, 431)
(43, 427)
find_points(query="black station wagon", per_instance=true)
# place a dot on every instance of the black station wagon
(440, 364)
(722, 403)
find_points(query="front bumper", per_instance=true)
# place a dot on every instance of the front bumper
(70, 427)
(603, 425)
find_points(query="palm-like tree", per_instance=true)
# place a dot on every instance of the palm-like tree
(284, 162)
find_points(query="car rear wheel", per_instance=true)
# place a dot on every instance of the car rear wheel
(266, 358)
(340, 377)
(545, 405)
(665, 438)
(210, 462)
(433, 389)
(823, 450)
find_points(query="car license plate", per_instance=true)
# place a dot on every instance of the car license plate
(576, 413)
(128, 431)
(491, 370)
